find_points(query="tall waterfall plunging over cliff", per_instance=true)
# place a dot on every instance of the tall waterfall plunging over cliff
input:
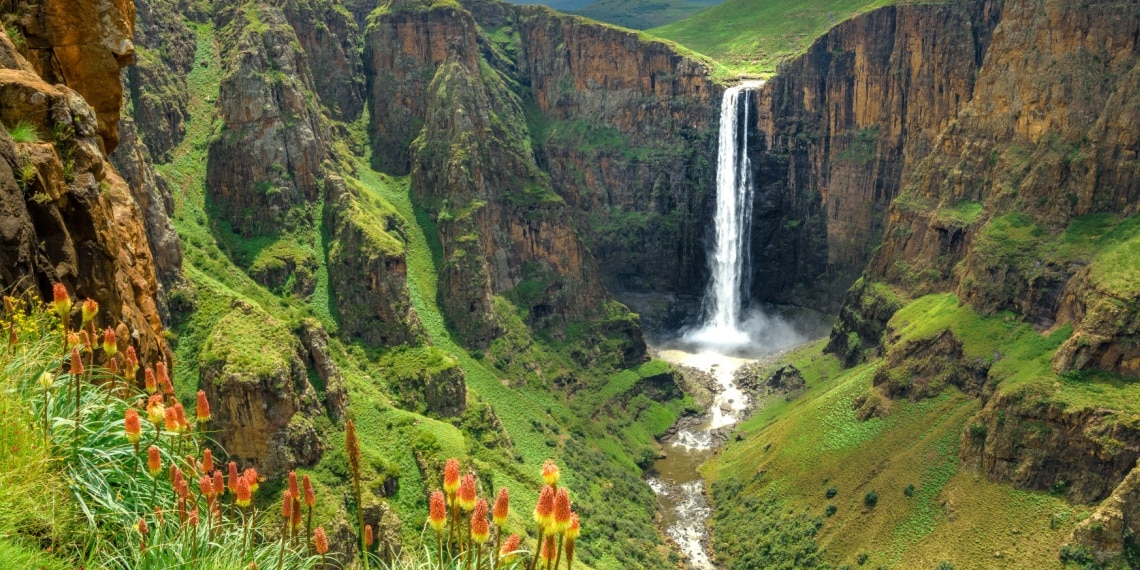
(730, 261)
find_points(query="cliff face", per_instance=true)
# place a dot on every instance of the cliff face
(265, 164)
(66, 215)
(840, 130)
(156, 83)
(503, 228)
(82, 46)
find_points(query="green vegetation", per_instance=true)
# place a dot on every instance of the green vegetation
(813, 456)
(642, 14)
(754, 36)
(24, 132)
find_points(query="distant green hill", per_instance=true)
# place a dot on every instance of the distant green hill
(755, 35)
(643, 14)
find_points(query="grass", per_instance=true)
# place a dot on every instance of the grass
(24, 132)
(794, 451)
(754, 36)
(642, 14)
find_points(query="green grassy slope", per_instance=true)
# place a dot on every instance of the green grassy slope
(794, 453)
(643, 14)
(753, 36)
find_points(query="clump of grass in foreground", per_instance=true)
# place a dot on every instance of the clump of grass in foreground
(137, 476)
(24, 132)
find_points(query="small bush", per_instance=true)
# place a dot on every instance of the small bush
(909, 491)
(861, 558)
(24, 132)
(871, 499)
(944, 565)
(1078, 555)
(830, 510)
(832, 492)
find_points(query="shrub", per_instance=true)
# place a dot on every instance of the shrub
(944, 565)
(24, 132)
(909, 491)
(832, 492)
(830, 510)
(871, 499)
(861, 558)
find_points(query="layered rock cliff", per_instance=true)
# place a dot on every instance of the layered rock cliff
(67, 215)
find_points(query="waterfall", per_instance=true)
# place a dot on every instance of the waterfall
(730, 261)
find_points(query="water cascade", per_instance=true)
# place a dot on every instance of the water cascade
(714, 346)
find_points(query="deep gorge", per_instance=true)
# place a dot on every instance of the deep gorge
(435, 210)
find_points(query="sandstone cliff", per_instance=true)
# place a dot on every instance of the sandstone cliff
(67, 215)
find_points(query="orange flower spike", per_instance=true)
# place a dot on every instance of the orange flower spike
(544, 510)
(574, 529)
(243, 493)
(141, 527)
(233, 477)
(451, 476)
(561, 512)
(508, 552)
(293, 488)
(437, 512)
(194, 516)
(465, 498)
(132, 426)
(548, 549)
(219, 484)
(368, 536)
(502, 507)
(76, 363)
(72, 340)
(90, 310)
(153, 461)
(250, 475)
(310, 496)
(207, 461)
(480, 530)
(171, 419)
(180, 415)
(203, 407)
(113, 366)
(192, 464)
(163, 378)
(151, 383)
(320, 541)
(296, 512)
(61, 301)
(13, 338)
(110, 343)
(206, 486)
(132, 362)
(155, 411)
(550, 473)
(183, 489)
(287, 506)
(85, 340)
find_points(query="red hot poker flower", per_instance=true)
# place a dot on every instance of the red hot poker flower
(76, 363)
(451, 476)
(131, 424)
(61, 301)
(438, 511)
(466, 495)
(151, 383)
(207, 461)
(203, 407)
(510, 546)
(561, 511)
(153, 461)
(574, 529)
(320, 541)
(544, 510)
(232, 481)
(90, 309)
(243, 493)
(296, 512)
(206, 486)
(548, 549)
(250, 475)
(171, 416)
(287, 506)
(310, 496)
(293, 488)
(550, 473)
(367, 536)
(480, 530)
(502, 507)
(110, 343)
(219, 484)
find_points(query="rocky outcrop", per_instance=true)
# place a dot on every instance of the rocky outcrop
(921, 368)
(1107, 332)
(156, 83)
(265, 164)
(1114, 525)
(81, 45)
(331, 40)
(253, 373)
(368, 268)
(316, 342)
(840, 131)
(1084, 453)
(66, 216)
(156, 204)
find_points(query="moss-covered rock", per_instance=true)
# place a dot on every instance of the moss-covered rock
(368, 268)
(253, 374)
